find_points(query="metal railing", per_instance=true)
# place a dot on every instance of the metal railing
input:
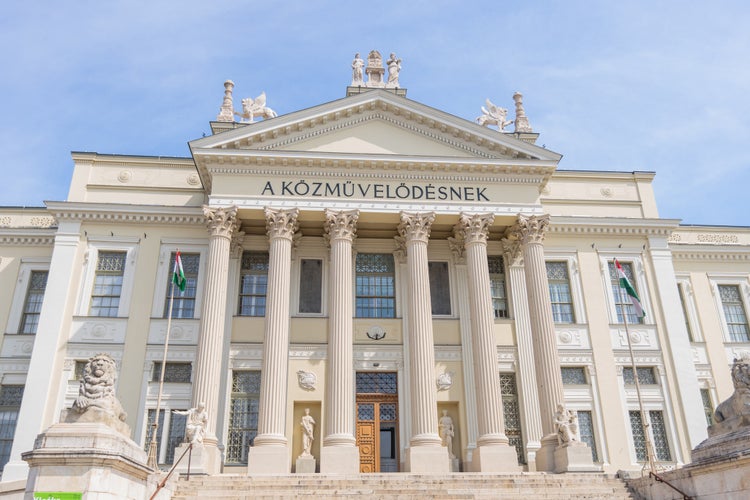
(189, 452)
(660, 479)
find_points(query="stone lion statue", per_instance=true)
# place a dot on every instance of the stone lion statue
(738, 404)
(96, 401)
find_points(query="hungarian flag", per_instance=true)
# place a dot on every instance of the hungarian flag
(624, 283)
(178, 276)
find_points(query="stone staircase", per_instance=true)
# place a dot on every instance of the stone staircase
(405, 486)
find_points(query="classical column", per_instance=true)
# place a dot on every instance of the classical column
(339, 453)
(425, 453)
(493, 454)
(269, 453)
(527, 394)
(221, 222)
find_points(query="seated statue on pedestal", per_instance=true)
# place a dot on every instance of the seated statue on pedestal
(566, 422)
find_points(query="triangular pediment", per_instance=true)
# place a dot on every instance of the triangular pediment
(375, 123)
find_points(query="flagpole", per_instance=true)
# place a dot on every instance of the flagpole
(644, 422)
(152, 451)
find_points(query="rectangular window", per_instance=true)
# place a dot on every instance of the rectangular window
(658, 431)
(623, 305)
(311, 286)
(573, 375)
(646, 375)
(708, 407)
(586, 430)
(559, 292)
(33, 305)
(175, 372)
(10, 404)
(440, 290)
(184, 302)
(105, 298)
(375, 285)
(734, 313)
(253, 284)
(497, 286)
(243, 415)
(512, 414)
(683, 302)
(175, 435)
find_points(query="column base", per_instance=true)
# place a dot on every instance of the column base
(263, 460)
(574, 458)
(495, 458)
(428, 459)
(339, 460)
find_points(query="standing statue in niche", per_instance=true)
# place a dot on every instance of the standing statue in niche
(447, 432)
(358, 65)
(197, 420)
(308, 431)
(566, 422)
(394, 67)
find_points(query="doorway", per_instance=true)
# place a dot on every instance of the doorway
(377, 421)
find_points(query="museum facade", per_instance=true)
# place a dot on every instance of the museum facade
(377, 265)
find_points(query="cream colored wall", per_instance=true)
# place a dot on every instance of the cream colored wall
(11, 257)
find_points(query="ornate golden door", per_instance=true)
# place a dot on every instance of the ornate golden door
(377, 422)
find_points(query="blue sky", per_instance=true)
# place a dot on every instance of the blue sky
(634, 85)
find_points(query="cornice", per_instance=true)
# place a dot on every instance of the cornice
(149, 214)
(607, 226)
(130, 160)
(33, 237)
(712, 253)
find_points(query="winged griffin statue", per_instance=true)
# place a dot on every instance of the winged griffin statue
(252, 108)
(494, 115)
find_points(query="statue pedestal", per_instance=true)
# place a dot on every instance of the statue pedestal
(575, 457)
(90, 458)
(198, 459)
(305, 465)
(454, 465)
(726, 446)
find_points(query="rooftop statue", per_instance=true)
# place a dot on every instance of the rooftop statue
(493, 115)
(255, 107)
(375, 70)
(357, 67)
(394, 68)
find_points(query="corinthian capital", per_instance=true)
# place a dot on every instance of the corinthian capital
(416, 227)
(341, 224)
(475, 228)
(512, 252)
(221, 221)
(530, 229)
(281, 223)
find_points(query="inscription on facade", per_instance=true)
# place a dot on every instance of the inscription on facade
(351, 189)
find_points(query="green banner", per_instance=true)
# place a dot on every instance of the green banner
(57, 495)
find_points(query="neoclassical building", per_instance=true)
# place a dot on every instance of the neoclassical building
(382, 264)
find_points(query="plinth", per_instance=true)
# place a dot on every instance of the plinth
(305, 464)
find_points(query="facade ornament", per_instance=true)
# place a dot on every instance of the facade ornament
(394, 68)
(375, 70)
(416, 226)
(530, 229)
(376, 333)
(444, 381)
(357, 67)
(281, 223)
(195, 426)
(447, 432)
(252, 108)
(221, 221)
(308, 433)
(521, 121)
(457, 245)
(226, 112)
(235, 245)
(734, 413)
(566, 423)
(306, 380)
(512, 251)
(493, 115)
(340, 224)
(475, 227)
(400, 252)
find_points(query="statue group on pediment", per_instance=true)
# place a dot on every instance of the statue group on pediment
(375, 71)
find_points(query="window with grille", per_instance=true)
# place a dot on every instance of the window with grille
(497, 286)
(253, 284)
(440, 290)
(33, 305)
(10, 404)
(80, 366)
(175, 372)
(559, 292)
(708, 407)
(658, 431)
(105, 297)
(243, 415)
(175, 434)
(573, 375)
(376, 383)
(512, 414)
(184, 301)
(311, 286)
(586, 431)
(623, 305)
(646, 375)
(683, 303)
(375, 285)
(734, 313)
